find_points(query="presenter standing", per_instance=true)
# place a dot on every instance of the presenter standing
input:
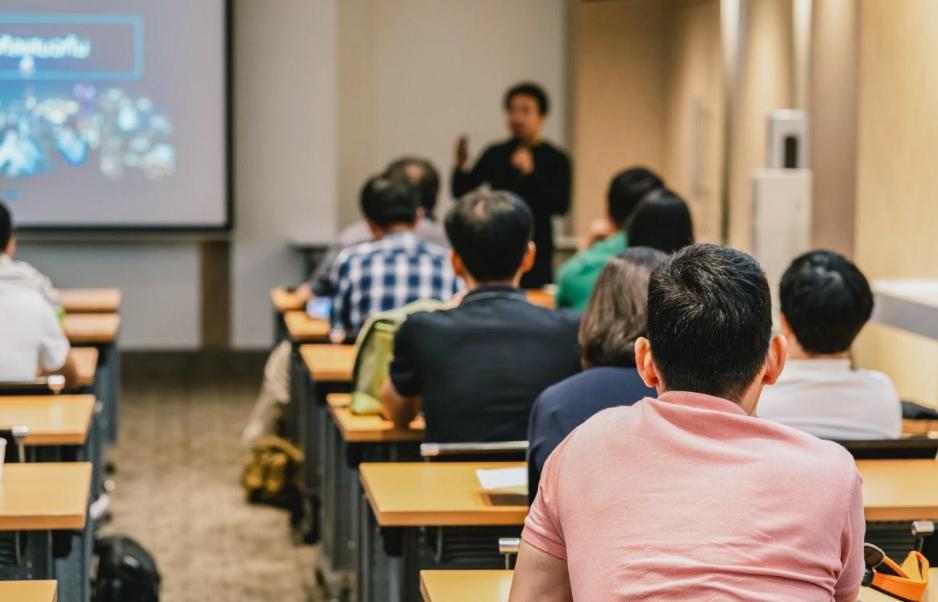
(526, 165)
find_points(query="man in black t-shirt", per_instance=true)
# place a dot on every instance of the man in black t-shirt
(526, 165)
(475, 370)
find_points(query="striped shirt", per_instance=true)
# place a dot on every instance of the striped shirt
(386, 274)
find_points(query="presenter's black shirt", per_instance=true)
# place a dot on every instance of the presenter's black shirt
(480, 366)
(546, 190)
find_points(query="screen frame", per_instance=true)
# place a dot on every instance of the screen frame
(228, 176)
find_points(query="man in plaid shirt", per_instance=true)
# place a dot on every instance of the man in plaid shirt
(394, 269)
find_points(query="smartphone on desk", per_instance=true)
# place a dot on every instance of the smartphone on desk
(319, 307)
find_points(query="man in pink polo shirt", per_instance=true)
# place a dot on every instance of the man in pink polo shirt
(688, 496)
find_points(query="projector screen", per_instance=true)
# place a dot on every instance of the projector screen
(113, 113)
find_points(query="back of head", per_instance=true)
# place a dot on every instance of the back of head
(616, 314)
(626, 191)
(662, 221)
(709, 320)
(389, 201)
(6, 227)
(826, 300)
(421, 173)
(490, 231)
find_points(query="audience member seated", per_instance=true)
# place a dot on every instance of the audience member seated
(31, 339)
(420, 173)
(825, 301)
(394, 269)
(576, 277)
(20, 273)
(662, 221)
(614, 319)
(476, 369)
(689, 496)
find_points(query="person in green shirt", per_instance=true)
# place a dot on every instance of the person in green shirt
(578, 275)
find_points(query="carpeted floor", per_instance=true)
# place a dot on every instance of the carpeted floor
(178, 464)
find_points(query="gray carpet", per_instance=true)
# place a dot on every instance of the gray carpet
(178, 464)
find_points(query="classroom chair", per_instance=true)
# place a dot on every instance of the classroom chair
(461, 452)
(43, 385)
(892, 449)
(472, 547)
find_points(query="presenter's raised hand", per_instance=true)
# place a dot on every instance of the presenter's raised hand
(462, 152)
(523, 160)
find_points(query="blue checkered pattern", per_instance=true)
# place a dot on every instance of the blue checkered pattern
(386, 274)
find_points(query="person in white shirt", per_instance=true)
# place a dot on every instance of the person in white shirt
(20, 273)
(825, 302)
(32, 342)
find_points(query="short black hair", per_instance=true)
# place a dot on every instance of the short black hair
(627, 189)
(662, 221)
(528, 89)
(6, 226)
(428, 182)
(490, 231)
(826, 300)
(709, 320)
(389, 201)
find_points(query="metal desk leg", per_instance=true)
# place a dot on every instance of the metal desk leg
(114, 388)
(73, 572)
(378, 574)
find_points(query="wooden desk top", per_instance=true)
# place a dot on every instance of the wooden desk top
(899, 489)
(91, 328)
(465, 585)
(495, 586)
(541, 297)
(28, 591)
(373, 429)
(86, 362)
(304, 328)
(44, 496)
(52, 419)
(284, 300)
(411, 494)
(339, 400)
(931, 594)
(329, 363)
(90, 300)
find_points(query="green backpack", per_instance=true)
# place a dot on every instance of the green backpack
(374, 350)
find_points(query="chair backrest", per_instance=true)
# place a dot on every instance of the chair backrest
(500, 450)
(16, 443)
(43, 385)
(892, 449)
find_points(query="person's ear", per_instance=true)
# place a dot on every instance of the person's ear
(529, 255)
(645, 364)
(458, 266)
(775, 359)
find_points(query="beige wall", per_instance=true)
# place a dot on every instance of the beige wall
(415, 74)
(897, 215)
(765, 84)
(619, 97)
(648, 90)
(833, 123)
(694, 109)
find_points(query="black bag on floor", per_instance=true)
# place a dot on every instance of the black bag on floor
(126, 572)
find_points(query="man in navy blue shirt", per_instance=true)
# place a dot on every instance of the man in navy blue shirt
(474, 370)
